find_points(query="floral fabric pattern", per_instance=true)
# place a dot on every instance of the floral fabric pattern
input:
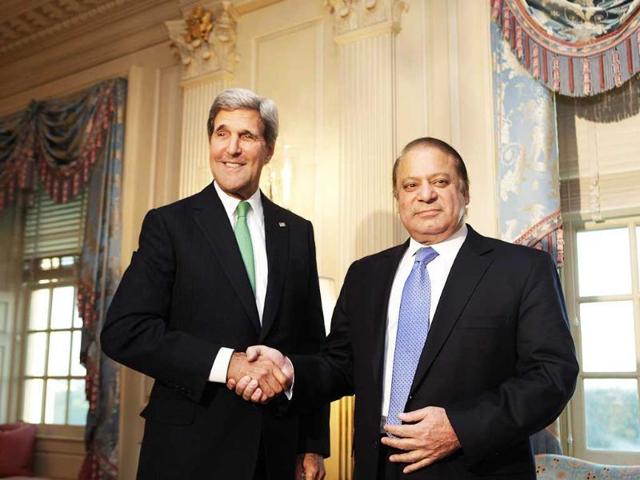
(55, 142)
(580, 21)
(68, 144)
(574, 47)
(527, 152)
(560, 467)
(99, 274)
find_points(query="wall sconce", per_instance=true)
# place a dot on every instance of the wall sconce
(329, 298)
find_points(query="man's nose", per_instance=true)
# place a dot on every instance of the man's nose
(426, 192)
(233, 147)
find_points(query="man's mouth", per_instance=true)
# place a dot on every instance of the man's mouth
(232, 164)
(427, 213)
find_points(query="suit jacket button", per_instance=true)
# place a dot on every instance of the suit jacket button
(410, 397)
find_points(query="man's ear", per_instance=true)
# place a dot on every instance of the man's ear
(270, 151)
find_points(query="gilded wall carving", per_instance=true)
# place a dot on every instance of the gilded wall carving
(206, 39)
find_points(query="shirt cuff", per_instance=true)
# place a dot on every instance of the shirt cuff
(220, 366)
(289, 393)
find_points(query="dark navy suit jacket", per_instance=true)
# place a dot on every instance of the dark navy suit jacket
(499, 357)
(185, 294)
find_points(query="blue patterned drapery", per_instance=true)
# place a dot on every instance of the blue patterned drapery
(527, 153)
(528, 193)
(67, 144)
(573, 47)
(99, 276)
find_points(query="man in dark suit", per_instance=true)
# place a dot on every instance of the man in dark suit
(214, 273)
(466, 334)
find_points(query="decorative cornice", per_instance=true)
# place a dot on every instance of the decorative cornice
(370, 15)
(206, 39)
(51, 18)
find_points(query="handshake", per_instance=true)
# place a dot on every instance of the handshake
(260, 374)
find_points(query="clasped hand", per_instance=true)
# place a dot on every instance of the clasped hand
(425, 437)
(260, 374)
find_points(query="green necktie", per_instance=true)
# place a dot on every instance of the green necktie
(243, 237)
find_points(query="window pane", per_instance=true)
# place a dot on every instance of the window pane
(608, 339)
(4, 313)
(56, 404)
(36, 349)
(638, 248)
(78, 405)
(62, 307)
(59, 353)
(603, 262)
(611, 408)
(67, 261)
(76, 367)
(77, 320)
(39, 309)
(32, 401)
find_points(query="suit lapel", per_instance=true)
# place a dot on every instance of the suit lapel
(276, 233)
(211, 217)
(466, 272)
(381, 298)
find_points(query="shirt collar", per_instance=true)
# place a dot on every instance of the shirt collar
(231, 203)
(447, 247)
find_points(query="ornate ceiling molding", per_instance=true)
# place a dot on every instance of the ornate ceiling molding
(206, 38)
(352, 16)
(48, 19)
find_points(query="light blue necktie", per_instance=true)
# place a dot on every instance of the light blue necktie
(413, 326)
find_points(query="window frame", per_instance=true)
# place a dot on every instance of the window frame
(575, 420)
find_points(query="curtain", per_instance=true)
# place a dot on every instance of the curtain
(99, 276)
(574, 47)
(56, 142)
(527, 154)
(528, 193)
(68, 144)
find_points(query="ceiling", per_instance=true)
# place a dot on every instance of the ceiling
(44, 40)
(24, 23)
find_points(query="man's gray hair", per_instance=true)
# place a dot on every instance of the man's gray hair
(235, 98)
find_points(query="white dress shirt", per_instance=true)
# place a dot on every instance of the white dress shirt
(438, 270)
(255, 222)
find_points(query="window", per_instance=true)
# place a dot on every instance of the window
(604, 286)
(51, 390)
(53, 381)
(600, 201)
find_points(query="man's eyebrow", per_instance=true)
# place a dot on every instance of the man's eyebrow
(242, 132)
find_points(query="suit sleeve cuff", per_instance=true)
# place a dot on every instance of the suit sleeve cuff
(220, 366)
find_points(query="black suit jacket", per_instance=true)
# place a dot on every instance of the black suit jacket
(499, 357)
(185, 294)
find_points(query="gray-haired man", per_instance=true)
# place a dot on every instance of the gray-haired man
(214, 273)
